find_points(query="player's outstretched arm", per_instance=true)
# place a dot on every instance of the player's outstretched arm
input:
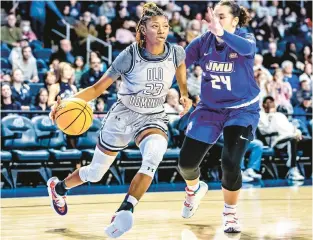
(95, 90)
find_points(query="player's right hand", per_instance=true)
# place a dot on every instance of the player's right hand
(53, 109)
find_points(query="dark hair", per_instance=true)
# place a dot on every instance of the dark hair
(23, 48)
(237, 11)
(37, 99)
(149, 10)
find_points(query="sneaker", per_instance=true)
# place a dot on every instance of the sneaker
(231, 223)
(57, 202)
(245, 177)
(251, 173)
(193, 199)
(294, 174)
(121, 223)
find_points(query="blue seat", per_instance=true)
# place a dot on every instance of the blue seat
(41, 65)
(43, 54)
(52, 139)
(5, 64)
(5, 53)
(36, 44)
(20, 137)
(87, 143)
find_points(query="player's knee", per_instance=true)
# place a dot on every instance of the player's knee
(99, 165)
(152, 150)
(232, 180)
(187, 168)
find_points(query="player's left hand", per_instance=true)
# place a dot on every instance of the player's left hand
(187, 103)
(213, 23)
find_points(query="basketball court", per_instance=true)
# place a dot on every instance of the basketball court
(265, 213)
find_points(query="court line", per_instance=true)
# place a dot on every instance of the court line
(97, 203)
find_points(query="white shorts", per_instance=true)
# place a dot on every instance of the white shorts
(122, 125)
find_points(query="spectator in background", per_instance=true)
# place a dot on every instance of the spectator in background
(255, 148)
(305, 90)
(103, 20)
(79, 70)
(288, 136)
(306, 54)
(258, 65)
(72, 11)
(271, 59)
(38, 17)
(303, 113)
(41, 101)
(100, 107)
(95, 55)
(16, 52)
(177, 24)
(307, 75)
(194, 81)
(281, 91)
(293, 79)
(139, 10)
(107, 9)
(7, 102)
(20, 90)
(290, 53)
(269, 30)
(64, 86)
(28, 65)
(83, 28)
(186, 12)
(27, 32)
(107, 34)
(50, 79)
(193, 30)
(119, 20)
(5, 78)
(65, 53)
(10, 34)
(93, 74)
(263, 81)
(172, 105)
(124, 36)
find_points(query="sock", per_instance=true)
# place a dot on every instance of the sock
(61, 188)
(128, 204)
(194, 188)
(229, 208)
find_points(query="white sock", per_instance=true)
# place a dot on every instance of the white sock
(229, 208)
(132, 200)
(194, 187)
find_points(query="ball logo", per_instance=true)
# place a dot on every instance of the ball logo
(18, 123)
(61, 106)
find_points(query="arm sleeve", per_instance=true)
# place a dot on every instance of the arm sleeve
(245, 45)
(121, 65)
(193, 52)
(179, 54)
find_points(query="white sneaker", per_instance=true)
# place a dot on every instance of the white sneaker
(57, 202)
(294, 174)
(245, 177)
(231, 223)
(121, 223)
(193, 199)
(251, 173)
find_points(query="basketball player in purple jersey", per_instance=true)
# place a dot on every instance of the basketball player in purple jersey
(229, 105)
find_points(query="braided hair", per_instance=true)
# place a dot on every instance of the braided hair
(149, 10)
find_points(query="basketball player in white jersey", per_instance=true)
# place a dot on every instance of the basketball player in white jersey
(147, 68)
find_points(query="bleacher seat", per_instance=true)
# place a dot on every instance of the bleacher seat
(36, 44)
(41, 65)
(43, 54)
(5, 64)
(26, 155)
(52, 139)
(87, 143)
(41, 75)
(35, 87)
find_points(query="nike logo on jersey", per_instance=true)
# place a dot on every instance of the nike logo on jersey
(244, 138)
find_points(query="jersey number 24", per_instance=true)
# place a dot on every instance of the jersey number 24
(218, 81)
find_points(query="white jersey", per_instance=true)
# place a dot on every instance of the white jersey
(145, 86)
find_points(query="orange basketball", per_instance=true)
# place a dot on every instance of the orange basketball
(73, 116)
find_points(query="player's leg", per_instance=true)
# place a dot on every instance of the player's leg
(190, 158)
(204, 128)
(236, 141)
(147, 141)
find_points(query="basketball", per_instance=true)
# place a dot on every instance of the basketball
(73, 116)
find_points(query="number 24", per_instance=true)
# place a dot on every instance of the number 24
(224, 79)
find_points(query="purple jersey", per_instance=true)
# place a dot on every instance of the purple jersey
(228, 79)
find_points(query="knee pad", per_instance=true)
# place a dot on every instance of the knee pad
(152, 148)
(99, 165)
(231, 180)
